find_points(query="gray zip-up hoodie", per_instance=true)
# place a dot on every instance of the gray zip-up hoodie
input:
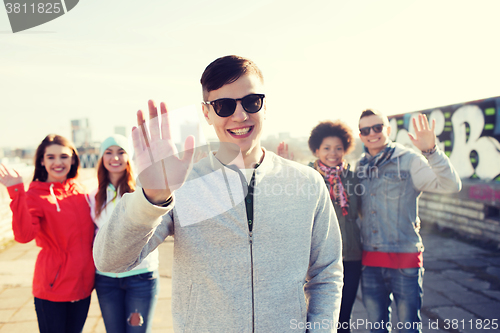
(284, 276)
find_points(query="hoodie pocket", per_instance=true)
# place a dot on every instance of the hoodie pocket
(54, 279)
(191, 310)
(302, 307)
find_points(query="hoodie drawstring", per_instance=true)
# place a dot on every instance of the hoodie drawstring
(54, 196)
(88, 200)
(399, 173)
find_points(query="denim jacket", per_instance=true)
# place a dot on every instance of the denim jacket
(390, 221)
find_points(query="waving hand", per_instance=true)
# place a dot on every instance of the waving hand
(9, 177)
(282, 151)
(160, 169)
(424, 138)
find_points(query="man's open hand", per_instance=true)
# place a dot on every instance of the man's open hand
(160, 170)
(424, 138)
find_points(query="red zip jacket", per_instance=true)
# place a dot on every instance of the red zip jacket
(57, 216)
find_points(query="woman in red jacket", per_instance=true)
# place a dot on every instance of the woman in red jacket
(55, 212)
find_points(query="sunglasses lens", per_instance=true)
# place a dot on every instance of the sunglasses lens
(224, 107)
(364, 131)
(378, 128)
(252, 103)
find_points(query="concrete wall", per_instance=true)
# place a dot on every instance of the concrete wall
(469, 133)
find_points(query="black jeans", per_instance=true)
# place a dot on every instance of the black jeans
(352, 273)
(61, 317)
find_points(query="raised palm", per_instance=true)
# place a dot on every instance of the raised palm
(282, 151)
(424, 138)
(159, 167)
(9, 177)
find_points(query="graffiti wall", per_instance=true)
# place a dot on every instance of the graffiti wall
(469, 133)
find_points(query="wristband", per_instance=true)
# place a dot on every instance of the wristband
(163, 204)
(166, 203)
(430, 151)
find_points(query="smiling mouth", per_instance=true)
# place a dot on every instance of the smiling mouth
(374, 140)
(240, 131)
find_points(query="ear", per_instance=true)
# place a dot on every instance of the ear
(389, 130)
(316, 153)
(206, 113)
(41, 162)
(264, 108)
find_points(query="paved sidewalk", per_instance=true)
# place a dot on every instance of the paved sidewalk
(17, 311)
(461, 288)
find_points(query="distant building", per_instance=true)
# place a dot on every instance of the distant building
(23, 153)
(194, 129)
(122, 130)
(284, 136)
(81, 136)
(296, 146)
(80, 133)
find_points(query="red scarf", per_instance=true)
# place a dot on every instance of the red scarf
(337, 190)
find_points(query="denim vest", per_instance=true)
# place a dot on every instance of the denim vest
(389, 220)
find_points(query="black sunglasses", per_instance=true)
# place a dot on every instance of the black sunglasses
(366, 130)
(224, 107)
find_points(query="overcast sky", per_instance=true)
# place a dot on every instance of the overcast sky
(322, 60)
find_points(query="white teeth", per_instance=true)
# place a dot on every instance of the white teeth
(240, 131)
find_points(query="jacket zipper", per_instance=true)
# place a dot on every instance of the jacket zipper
(251, 273)
(249, 211)
(250, 220)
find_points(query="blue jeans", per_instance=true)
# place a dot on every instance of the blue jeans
(127, 304)
(61, 317)
(380, 285)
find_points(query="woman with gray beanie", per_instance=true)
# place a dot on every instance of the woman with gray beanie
(128, 299)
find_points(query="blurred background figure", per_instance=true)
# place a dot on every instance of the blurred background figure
(128, 299)
(55, 212)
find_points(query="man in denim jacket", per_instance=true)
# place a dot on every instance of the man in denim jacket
(392, 178)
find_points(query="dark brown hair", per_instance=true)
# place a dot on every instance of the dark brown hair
(371, 112)
(40, 173)
(226, 70)
(126, 184)
(329, 128)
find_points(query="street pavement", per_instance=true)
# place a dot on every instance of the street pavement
(461, 289)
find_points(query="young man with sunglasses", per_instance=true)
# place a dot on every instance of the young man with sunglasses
(393, 177)
(257, 246)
